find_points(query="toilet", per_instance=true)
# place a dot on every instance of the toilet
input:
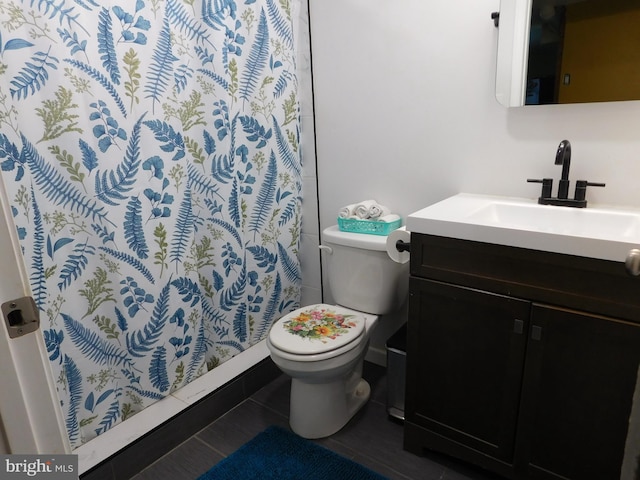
(322, 347)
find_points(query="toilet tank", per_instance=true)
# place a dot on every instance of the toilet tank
(361, 274)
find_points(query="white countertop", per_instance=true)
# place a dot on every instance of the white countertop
(602, 232)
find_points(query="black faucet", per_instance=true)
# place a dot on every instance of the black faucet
(563, 157)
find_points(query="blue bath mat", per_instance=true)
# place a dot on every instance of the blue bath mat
(277, 454)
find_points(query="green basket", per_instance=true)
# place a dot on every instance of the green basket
(370, 227)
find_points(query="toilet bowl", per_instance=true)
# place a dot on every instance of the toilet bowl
(322, 347)
(327, 388)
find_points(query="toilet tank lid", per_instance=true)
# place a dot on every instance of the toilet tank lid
(365, 241)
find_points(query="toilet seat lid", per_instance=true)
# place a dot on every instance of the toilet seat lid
(316, 329)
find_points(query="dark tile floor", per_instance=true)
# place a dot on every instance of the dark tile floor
(370, 438)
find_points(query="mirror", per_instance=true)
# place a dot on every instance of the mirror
(568, 51)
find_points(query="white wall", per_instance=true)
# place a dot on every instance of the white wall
(406, 112)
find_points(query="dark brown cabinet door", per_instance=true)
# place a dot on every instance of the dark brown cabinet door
(465, 357)
(578, 387)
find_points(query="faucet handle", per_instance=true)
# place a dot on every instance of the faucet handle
(581, 188)
(547, 184)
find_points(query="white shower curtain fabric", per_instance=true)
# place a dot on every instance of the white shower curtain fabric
(150, 151)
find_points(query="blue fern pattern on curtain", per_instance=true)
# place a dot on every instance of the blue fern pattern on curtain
(150, 152)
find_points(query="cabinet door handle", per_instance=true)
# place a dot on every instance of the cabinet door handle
(518, 327)
(536, 332)
(632, 262)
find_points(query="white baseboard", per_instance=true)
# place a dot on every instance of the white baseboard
(104, 446)
(377, 356)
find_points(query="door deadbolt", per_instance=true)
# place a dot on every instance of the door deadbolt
(21, 316)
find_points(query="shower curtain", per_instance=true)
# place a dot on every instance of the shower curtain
(150, 150)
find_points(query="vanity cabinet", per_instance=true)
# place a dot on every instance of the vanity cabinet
(522, 362)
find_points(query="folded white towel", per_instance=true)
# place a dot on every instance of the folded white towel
(391, 217)
(363, 209)
(347, 211)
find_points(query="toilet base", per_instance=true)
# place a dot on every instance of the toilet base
(321, 409)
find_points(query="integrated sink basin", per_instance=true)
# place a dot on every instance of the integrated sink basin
(559, 220)
(606, 233)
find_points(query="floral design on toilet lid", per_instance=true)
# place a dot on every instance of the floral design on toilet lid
(315, 329)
